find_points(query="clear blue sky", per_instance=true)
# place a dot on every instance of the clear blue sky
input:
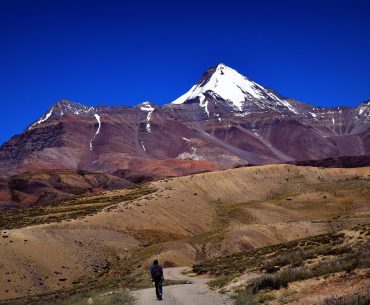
(118, 53)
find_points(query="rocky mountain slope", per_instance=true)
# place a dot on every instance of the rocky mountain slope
(224, 120)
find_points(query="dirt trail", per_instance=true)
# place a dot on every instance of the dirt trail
(195, 293)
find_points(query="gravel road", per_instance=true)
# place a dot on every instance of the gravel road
(195, 293)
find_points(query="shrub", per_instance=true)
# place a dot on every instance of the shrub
(245, 297)
(283, 278)
(221, 281)
(348, 300)
(265, 297)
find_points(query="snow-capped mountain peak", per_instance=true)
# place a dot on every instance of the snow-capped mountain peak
(229, 85)
(226, 83)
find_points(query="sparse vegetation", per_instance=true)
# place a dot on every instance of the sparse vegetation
(245, 297)
(117, 297)
(273, 257)
(227, 212)
(359, 299)
(299, 260)
(74, 208)
(221, 281)
(359, 257)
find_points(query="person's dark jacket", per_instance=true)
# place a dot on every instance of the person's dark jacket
(157, 273)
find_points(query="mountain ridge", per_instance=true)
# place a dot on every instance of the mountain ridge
(67, 106)
(205, 129)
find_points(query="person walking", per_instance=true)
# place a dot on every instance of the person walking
(156, 272)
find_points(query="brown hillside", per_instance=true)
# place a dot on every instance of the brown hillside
(99, 239)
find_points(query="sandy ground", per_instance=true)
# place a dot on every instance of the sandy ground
(196, 292)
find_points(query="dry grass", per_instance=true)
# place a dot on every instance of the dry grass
(358, 299)
(302, 260)
(72, 209)
(264, 259)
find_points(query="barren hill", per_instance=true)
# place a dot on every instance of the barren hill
(103, 239)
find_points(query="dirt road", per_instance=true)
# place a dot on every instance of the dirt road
(196, 292)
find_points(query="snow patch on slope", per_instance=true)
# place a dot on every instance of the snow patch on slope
(204, 104)
(192, 155)
(77, 111)
(43, 118)
(97, 117)
(364, 110)
(142, 145)
(283, 102)
(64, 107)
(68, 107)
(148, 108)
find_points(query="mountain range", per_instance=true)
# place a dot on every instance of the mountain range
(225, 120)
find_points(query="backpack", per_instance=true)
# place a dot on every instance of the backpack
(156, 272)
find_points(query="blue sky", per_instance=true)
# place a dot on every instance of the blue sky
(118, 53)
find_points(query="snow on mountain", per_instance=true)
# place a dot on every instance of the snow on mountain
(43, 118)
(147, 107)
(62, 108)
(97, 117)
(225, 120)
(66, 107)
(364, 109)
(236, 89)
